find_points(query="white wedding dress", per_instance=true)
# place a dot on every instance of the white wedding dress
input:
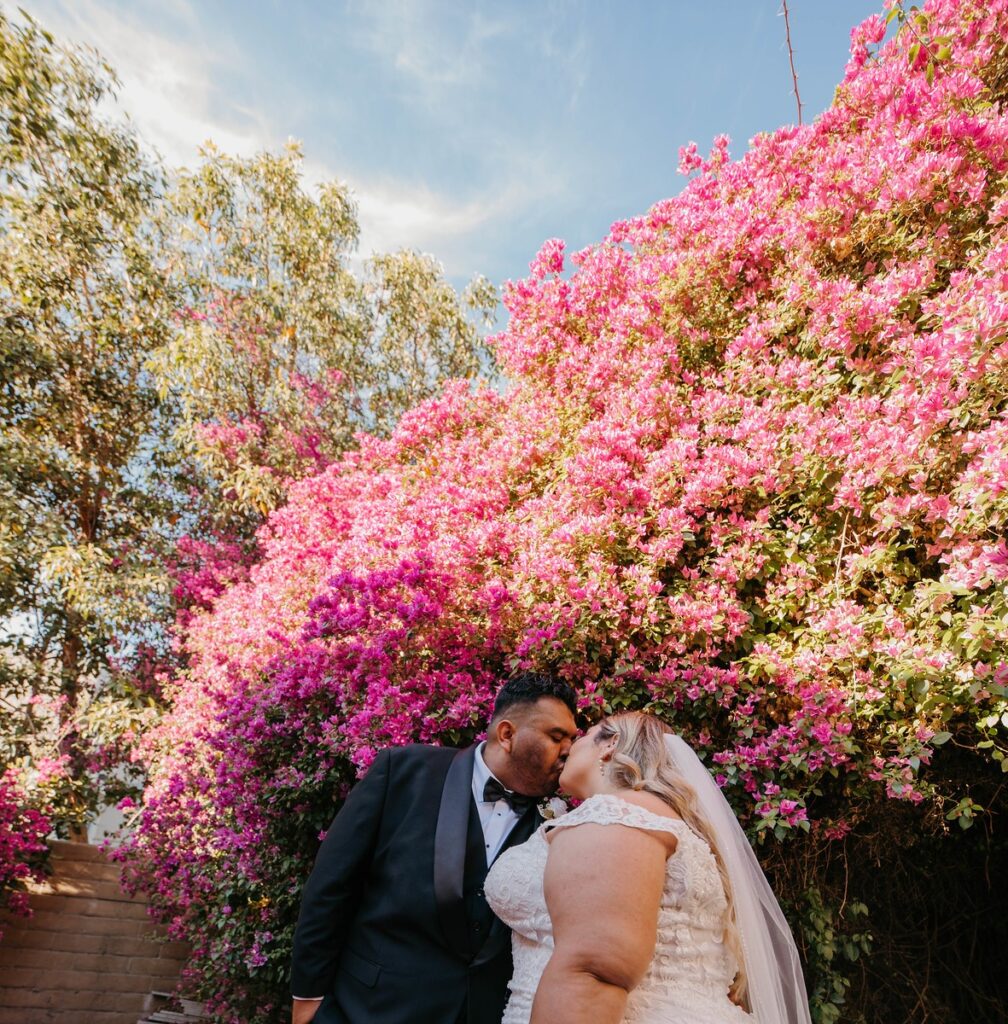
(692, 969)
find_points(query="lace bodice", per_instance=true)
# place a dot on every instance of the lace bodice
(692, 969)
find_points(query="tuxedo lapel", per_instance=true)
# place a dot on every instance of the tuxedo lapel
(450, 842)
(499, 934)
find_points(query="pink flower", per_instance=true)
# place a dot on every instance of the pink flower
(689, 159)
(549, 259)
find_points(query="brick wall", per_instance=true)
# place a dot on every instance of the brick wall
(88, 955)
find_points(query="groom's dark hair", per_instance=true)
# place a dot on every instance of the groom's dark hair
(528, 687)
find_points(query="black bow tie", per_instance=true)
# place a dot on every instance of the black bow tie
(494, 791)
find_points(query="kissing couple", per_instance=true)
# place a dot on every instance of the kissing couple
(444, 893)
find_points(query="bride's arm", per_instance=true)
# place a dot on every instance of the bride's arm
(603, 887)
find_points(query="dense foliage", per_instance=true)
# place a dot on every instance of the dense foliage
(283, 349)
(751, 472)
(22, 844)
(174, 350)
(83, 526)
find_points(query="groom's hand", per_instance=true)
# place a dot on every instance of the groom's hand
(304, 1010)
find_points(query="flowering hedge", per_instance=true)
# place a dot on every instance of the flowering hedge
(22, 846)
(751, 471)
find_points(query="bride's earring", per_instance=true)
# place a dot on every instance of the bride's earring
(601, 766)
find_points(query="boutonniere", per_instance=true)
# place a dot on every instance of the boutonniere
(553, 807)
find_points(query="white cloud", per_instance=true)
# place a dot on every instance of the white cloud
(394, 214)
(439, 49)
(564, 46)
(393, 217)
(167, 83)
(171, 87)
(432, 53)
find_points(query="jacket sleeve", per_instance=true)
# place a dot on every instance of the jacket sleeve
(331, 894)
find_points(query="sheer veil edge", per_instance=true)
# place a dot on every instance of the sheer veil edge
(773, 969)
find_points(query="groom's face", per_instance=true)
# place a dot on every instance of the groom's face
(539, 742)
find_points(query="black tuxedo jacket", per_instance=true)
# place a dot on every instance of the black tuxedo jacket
(394, 927)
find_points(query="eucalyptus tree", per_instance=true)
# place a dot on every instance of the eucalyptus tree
(289, 343)
(85, 301)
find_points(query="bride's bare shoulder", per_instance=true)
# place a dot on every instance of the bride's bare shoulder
(649, 802)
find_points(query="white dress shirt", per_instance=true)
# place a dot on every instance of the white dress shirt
(497, 817)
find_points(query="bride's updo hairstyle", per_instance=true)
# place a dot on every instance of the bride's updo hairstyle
(641, 762)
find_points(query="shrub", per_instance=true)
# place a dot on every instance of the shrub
(22, 846)
(751, 472)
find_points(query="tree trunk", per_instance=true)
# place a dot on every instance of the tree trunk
(70, 671)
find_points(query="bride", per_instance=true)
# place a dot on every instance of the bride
(665, 918)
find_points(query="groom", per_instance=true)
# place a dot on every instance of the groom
(394, 928)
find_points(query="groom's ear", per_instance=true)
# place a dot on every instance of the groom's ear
(503, 731)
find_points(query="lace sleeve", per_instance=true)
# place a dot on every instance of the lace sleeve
(604, 809)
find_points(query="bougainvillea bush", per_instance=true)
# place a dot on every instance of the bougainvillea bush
(23, 848)
(751, 471)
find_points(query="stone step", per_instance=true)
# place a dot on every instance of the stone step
(16, 1015)
(84, 885)
(137, 961)
(70, 920)
(61, 850)
(159, 1012)
(69, 980)
(77, 939)
(168, 1017)
(120, 909)
(33, 1002)
(86, 869)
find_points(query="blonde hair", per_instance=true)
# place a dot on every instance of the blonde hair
(641, 762)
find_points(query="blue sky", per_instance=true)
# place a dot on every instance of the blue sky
(472, 131)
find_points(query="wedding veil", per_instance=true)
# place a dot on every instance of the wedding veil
(776, 986)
